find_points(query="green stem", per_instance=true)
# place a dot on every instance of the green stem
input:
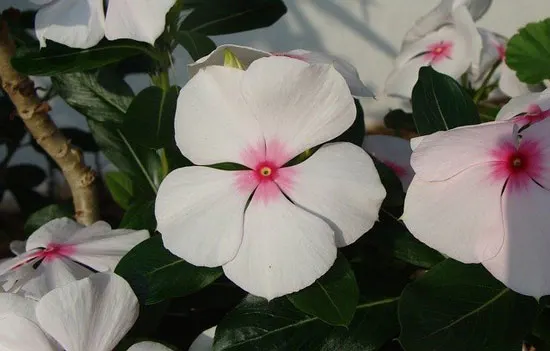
(162, 80)
(481, 90)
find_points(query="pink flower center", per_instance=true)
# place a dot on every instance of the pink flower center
(501, 49)
(534, 114)
(518, 167)
(54, 251)
(438, 52)
(397, 169)
(297, 57)
(267, 176)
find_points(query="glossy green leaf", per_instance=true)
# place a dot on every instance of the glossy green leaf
(156, 275)
(46, 214)
(100, 95)
(392, 237)
(333, 297)
(121, 188)
(140, 215)
(256, 324)
(57, 59)
(225, 17)
(395, 196)
(457, 307)
(197, 45)
(81, 139)
(24, 175)
(440, 103)
(149, 120)
(528, 52)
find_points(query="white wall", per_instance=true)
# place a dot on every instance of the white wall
(365, 32)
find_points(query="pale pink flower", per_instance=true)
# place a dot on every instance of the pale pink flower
(525, 109)
(94, 313)
(273, 227)
(62, 251)
(83, 23)
(480, 195)
(248, 55)
(394, 152)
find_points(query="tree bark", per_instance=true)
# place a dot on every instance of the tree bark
(34, 113)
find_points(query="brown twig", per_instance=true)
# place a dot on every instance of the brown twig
(34, 114)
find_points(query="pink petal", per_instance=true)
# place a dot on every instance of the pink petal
(284, 249)
(522, 263)
(213, 122)
(394, 152)
(90, 314)
(297, 104)
(442, 155)
(340, 184)
(200, 214)
(460, 217)
(537, 136)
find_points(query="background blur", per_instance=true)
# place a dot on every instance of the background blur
(367, 33)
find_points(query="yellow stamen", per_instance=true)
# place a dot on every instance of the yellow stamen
(265, 171)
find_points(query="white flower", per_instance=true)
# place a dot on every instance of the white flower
(90, 314)
(62, 251)
(83, 23)
(394, 152)
(248, 55)
(274, 228)
(481, 195)
(205, 340)
(526, 109)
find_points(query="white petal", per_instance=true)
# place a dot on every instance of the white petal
(17, 271)
(442, 15)
(520, 104)
(245, 54)
(340, 184)
(465, 25)
(284, 249)
(405, 74)
(205, 340)
(99, 247)
(490, 55)
(90, 314)
(54, 274)
(200, 214)
(141, 20)
(298, 105)
(346, 69)
(20, 334)
(17, 247)
(213, 124)
(148, 346)
(18, 305)
(78, 24)
(442, 155)
(460, 217)
(522, 264)
(394, 152)
(56, 231)
(510, 84)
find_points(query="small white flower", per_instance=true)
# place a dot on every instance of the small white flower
(62, 251)
(274, 228)
(90, 314)
(248, 55)
(205, 340)
(83, 23)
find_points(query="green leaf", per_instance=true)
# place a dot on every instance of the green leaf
(83, 140)
(156, 275)
(46, 214)
(140, 215)
(333, 297)
(24, 175)
(256, 324)
(57, 59)
(400, 121)
(225, 17)
(395, 196)
(440, 103)
(457, 307)
(149, 120)
(392, 237)
(120, 187)
(528, 52)
(197, 45)
(100, 95)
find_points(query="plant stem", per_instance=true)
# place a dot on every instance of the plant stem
(481, 90)
(162, 80)
(34, 114)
